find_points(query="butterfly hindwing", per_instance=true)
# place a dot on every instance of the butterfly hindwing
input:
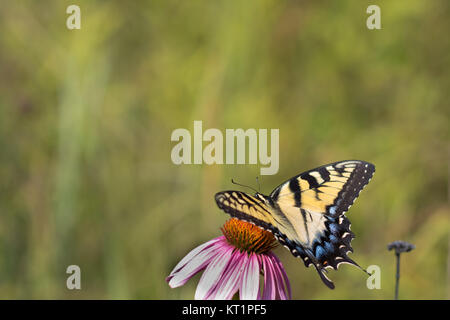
(307, 213)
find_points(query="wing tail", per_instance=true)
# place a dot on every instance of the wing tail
(324, 278)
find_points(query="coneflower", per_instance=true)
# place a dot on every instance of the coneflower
(233, 263)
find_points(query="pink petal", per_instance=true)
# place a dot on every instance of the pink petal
(213, 272)
(269, 291)
(230, 280)
(282, 276)
(250, 281)
(196, 261)
(191, 254)
(278, 281)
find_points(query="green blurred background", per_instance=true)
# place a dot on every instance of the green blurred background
(86, 117)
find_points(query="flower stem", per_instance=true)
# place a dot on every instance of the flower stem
(397, 275)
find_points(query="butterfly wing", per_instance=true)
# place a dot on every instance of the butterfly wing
(330, 189)
(315, 202)
(306, 213)
(255, 210)
(249, 208)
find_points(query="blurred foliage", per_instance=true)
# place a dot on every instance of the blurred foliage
(86, 117)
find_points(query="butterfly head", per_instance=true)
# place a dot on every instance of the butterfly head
(261, 197)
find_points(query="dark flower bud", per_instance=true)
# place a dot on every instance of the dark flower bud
(401, 246)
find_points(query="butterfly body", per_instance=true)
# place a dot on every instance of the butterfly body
(306, 213)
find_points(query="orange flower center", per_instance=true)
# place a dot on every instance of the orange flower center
(246, 236)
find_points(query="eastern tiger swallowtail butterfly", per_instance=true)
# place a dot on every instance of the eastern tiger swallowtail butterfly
(306, 214)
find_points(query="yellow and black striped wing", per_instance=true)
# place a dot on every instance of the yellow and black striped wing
(250, 208)
(330, 189)
(306, 213)
(315, 202)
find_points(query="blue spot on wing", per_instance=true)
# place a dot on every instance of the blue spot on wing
(333, 210)
(300, 250)
(334, 228)
(333, 238)
(320, 252)
(328, 247)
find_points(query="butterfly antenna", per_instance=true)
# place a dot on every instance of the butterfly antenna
(243, 185)
(366, 271)
(259, 186)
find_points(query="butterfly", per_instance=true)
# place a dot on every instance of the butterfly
(306, 213)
